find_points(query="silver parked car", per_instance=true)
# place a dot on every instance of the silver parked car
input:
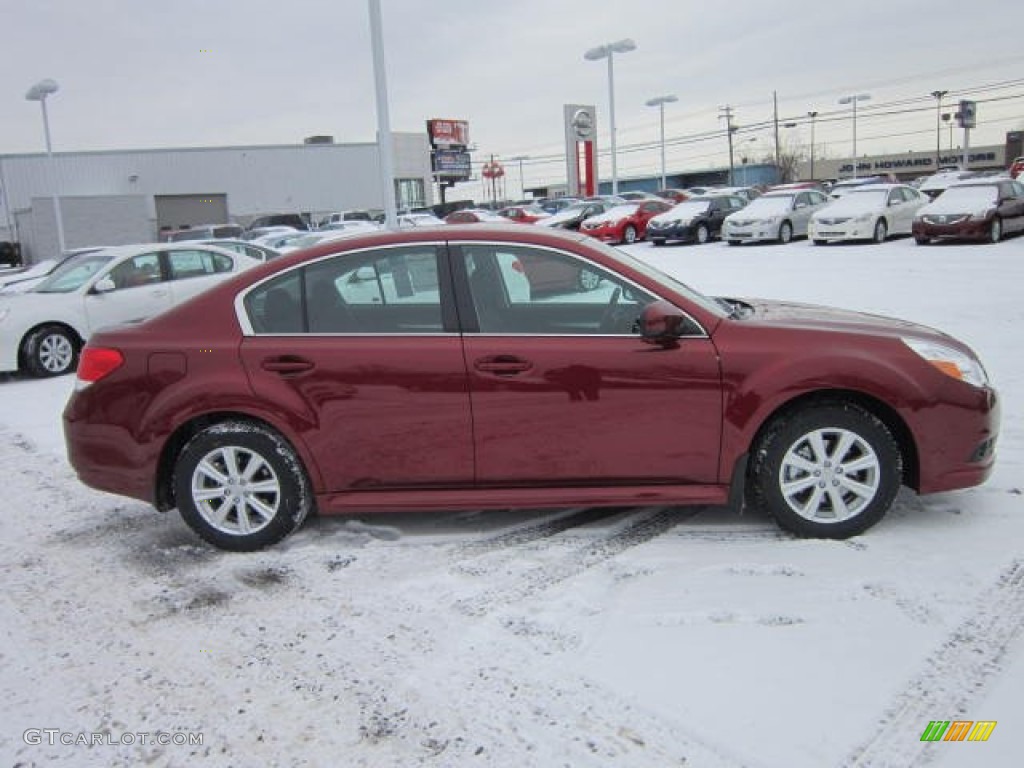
(778, 216)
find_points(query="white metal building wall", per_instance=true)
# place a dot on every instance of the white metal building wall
(256, 180)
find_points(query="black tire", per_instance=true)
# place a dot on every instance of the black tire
(50, 350)
(260, 458)
(881, 231)
(657, 243)
(703, 233)
(837, 504)
(587, 280)
(820, 242)
(734, 242)
(922, 240)
(785, 232)
(995, 230)
(629, 234)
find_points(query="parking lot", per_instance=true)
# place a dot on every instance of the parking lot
(628, 637)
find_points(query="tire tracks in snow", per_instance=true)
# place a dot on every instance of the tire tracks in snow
(640, 527)
(952, 676)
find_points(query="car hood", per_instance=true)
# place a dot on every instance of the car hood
(941, 206)
(560, 218)
(813, 317)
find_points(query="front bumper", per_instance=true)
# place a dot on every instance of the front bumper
(847, 230)
(966, 229)
(750, 233)
(684, 232)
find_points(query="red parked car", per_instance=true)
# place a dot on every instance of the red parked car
(524, 214)
(624, 223)
(402, 371)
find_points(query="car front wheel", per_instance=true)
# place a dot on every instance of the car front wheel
(629, 234)
(881, 231)
(785, 232)
(995, 230)
(241, 486)
(703, 234)
(829, 470)
(51, 350)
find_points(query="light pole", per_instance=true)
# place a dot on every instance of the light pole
(39, 92)
(938, 124)
(660, 102)
(853, 101)
(608, 51)
(384, 145)
(522, 185)
(812, 115)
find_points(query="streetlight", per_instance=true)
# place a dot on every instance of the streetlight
(522, 186)
(385, 147)
(812, 115)
(938, 124)
(39, 92)
(853, 100)
(660, 102)
(608, 51)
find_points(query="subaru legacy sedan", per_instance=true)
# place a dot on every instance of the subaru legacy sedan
(421, 370)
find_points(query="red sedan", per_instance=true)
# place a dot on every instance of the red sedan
(406, 371)
(524, 214)
(624, 223)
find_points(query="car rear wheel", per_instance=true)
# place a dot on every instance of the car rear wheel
(881, 231)
(703, 233)
(241, 486)
(629, 234)
(830, 470)
(995, 230)
(51, 350)
(785, 232)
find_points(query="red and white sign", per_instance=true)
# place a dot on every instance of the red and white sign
(448, 133)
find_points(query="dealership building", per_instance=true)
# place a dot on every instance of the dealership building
(130, 196)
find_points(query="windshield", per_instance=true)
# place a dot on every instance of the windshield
(73, 273)
(706, 302)
(769, 206)
(978, 195)
(688, 208)
(861, 199)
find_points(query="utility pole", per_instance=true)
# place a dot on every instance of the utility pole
(937, 95)
(726, 112)
(775, 112)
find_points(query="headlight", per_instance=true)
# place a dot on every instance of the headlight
(950, 361)
(4, 312)
(983, 215)
(863, 217)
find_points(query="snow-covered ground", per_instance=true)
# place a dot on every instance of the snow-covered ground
(639, 638)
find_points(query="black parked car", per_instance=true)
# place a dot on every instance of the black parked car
(696, 220)
(573, 215)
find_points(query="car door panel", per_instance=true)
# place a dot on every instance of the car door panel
(372, 380)
(564, 392)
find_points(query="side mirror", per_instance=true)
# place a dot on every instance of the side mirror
(104, 285)
(662, 323)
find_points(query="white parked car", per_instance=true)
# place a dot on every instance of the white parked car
(871, 212)
(778, 216)
(338, 232)
(43, 330)
(413, 220)
(27, 278)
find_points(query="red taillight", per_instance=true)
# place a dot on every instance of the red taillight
(97, 362)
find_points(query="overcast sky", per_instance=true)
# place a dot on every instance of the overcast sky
(140, 74)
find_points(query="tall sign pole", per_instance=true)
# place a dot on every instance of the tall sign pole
(385, 147)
